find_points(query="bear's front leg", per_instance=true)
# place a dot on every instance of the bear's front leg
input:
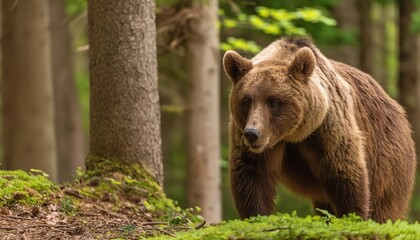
(346, 181)
(253, 180)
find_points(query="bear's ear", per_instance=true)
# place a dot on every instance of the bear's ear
(303, 65)
(235, 65)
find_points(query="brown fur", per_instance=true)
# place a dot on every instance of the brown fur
(325, 130)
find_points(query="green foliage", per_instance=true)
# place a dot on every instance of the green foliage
(128, 229)
(240, 44)
(415, 24)
(289, 226)
(270, 21)
(68, 205)
(25, 188)
(82, 86)
(75, 7)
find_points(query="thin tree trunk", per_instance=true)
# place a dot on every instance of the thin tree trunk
(124, 100)
(203, 113)
(68, 120)
(366, 38)
(29, 140)
(409, 87)
(2, 161)
(346, 14)
(381, 49)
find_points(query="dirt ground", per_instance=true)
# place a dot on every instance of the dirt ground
(81, 218)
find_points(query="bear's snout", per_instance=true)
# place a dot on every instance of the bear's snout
(251, 134)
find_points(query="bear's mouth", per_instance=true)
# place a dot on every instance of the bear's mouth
(255, 147)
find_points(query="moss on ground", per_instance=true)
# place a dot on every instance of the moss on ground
(135, 184)
(26, 188)
(129, 190)
(110, 200)
(289, 226)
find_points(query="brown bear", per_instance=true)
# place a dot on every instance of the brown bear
(324, 129)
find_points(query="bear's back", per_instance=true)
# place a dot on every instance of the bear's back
(389, 147)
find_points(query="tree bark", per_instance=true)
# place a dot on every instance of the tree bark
(381, 71)
(27, 87)
(346, 14)
(408, 84)
(2, 161)
(68, 120)
(366, 38)
(203, 113)
(124, 100)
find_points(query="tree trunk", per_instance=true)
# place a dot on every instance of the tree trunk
(381, 71)
(346, 14)
(2, 161)
(124, 100)
(203, 113)
(29, 140)
(68, 120)
(366, 38)
(409, 87)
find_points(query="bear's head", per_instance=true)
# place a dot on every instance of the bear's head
(275, 99)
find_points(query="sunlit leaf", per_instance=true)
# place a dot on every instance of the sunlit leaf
(229, 23)
(272, 29)
(283, 15)
(263, 12)
(256, 21)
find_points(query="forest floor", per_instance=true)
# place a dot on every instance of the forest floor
(93, 220)
(121, 202)
(99, 207)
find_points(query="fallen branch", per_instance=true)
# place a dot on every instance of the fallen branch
(111, 213)
(154, 223)
(200, 225)
(6, 217)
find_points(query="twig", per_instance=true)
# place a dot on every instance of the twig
(39, 225)
(14, 217)
(154, 223)
(164, 231)
(200, 225)
(48, 225)
(82, 48)
(7, 228)
(275, 229)
(182, 228)
(111, 213)
(88, 214)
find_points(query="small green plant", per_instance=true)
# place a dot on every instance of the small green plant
(128, 229)
(68, 205)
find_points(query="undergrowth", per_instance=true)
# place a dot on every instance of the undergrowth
(130, 189)
(290, 226)
(133, 183)
(26, 188)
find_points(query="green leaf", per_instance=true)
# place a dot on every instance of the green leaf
(283, 15)
(272, 29)
(229, 23)
(263, 12)
(256, 21)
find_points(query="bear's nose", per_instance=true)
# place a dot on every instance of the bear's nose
(251, 134)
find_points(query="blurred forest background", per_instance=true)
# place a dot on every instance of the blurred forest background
(379, 37)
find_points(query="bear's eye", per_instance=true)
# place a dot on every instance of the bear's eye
(246, 101)
(273, 102)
